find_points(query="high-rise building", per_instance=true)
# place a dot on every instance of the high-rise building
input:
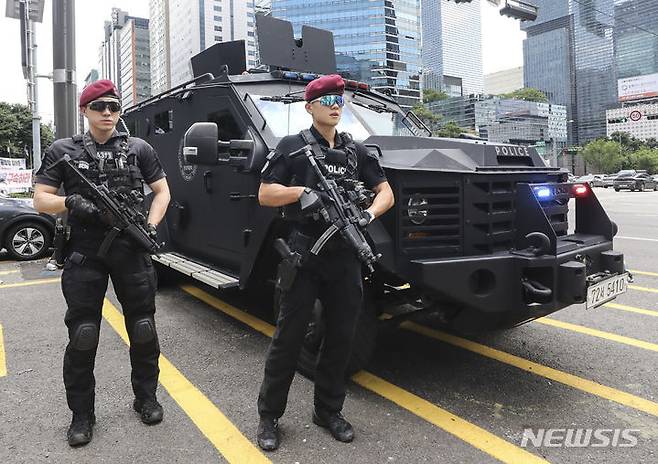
(569, 55)
(192, 26)
(636, 38)
(452, 47)
(159, 40)
(125, 56)
(505, 81)
(378, 42)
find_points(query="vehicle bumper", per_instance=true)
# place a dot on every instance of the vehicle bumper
(534, 279)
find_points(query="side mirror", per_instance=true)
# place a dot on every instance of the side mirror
(200, 143)
(201, 146)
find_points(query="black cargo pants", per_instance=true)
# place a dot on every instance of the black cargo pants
(84, 283)
(335, 278)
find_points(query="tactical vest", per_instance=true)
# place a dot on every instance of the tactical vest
(348, 146)
(115, 168)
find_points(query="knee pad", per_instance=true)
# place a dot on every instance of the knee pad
(85, 336)
(143, 330)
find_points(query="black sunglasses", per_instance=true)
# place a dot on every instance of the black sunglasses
(100, 105)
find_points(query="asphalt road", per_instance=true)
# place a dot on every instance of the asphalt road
(425, 397)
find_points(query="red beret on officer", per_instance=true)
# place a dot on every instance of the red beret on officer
(100, 88)
(331, 84)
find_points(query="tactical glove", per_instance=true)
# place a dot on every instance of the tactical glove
(368, 217)
(153, 233)
(312, 201)
(81, 208)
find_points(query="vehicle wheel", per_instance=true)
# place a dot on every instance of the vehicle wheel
(641, 188)
(655, 187)
(363, 346)
(616, 190)
(28, 240)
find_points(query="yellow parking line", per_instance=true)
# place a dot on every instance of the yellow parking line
(9, 272)
(599, 333)
(477, 437)
(631, 309)
(29, 283)
(225, 437)
(570, 380)
(3, 361)
(646, 273)
(464, 430)
(643, 289)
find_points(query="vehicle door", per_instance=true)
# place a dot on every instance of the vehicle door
(228, 196)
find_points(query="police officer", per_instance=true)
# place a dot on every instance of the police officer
(123, 164)
(334, 275)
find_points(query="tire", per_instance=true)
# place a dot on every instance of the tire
(616, 190)
(363, 346)
(28, 240)
(641, 188)
(655, 187)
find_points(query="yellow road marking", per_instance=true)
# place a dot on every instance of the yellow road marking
(631, 309)
(652, 274)
(599, 333)
(3, 361)
(29, 283)
(224, 436)
(464, 430)
(477, 437)
(643, 289)
(9, 272)
(539, 369)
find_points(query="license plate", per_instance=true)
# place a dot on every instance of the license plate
(606, 290)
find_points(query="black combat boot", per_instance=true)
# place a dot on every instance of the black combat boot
(268, 434)
(82, 429)
(149, 409)
(340, 429)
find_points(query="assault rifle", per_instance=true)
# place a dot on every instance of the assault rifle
(343, 215)
(117, 213)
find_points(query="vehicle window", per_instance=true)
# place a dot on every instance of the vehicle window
(227, 125)
(290, 118)
(163, 122)
(381, 123)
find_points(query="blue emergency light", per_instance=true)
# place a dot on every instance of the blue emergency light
(543, 193)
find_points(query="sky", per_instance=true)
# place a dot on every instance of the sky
(501, 47)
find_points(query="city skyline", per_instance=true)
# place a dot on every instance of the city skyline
(501, 46)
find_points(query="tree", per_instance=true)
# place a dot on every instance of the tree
(647, 159)
(527, 94)
(16, 130)
(431, 120)
(431, 95)
(604, 155)
(628, 142)
(450, 129)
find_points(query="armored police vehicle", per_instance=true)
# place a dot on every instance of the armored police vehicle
(479, 234)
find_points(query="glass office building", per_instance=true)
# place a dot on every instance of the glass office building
(377, 42)
(636, 38)
(569, 55)
(452, 47)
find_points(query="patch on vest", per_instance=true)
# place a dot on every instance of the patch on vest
(336, 170)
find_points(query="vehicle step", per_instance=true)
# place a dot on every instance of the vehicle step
(205, 274)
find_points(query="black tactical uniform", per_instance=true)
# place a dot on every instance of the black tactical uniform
(334, 277)
(123, 164)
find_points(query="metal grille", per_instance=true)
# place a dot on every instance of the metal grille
(431, 220)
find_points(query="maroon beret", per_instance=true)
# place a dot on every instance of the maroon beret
(332, 84)
(98, 89)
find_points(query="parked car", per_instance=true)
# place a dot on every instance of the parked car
(24, 233)
(634, 182)
(609, 180)
(594, 180)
